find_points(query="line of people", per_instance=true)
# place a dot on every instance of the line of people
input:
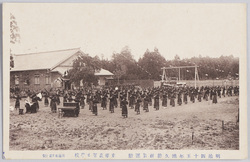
(131, 97)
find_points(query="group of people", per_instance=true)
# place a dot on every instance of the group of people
(31, 103)
(132, 97)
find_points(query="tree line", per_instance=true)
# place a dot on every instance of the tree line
(125, 67)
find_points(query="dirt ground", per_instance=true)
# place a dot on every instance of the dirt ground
(170, 128)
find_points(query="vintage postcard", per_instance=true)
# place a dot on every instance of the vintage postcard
(124, 81)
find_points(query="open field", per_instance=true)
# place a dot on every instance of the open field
(168, 128)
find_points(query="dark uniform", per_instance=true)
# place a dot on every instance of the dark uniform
(124, 108)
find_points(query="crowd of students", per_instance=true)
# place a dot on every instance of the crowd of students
(128, 97)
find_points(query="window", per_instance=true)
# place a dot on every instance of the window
(16, 80)
(47, 79)
(37, 79)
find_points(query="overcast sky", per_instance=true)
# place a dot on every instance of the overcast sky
(184, 29)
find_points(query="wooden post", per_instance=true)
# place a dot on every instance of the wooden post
(222, 125)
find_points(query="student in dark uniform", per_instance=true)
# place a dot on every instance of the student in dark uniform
(111, 103)
(137, 104)
(219, 91)
(164, 99)
(53, 104)
(132, 100)
(146, 102)
(206, 94)
(58, 99)
(192, 99)
(156, 101)
(104, 101)
(65, 98)
(77, 101)
(223, 91)
(179, 98)
(17, 103)
(199, 95)
(91, 98)
(95, 102)
(185, 100)
(211, 94)
(172, 99)
(214, 94)
(46, 100)
(150, 98)
(124, 103)
(82, 101)
(115, 99)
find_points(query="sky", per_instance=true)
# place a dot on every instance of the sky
(100, 29)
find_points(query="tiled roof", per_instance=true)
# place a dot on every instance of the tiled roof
(103, 72)
(42, 60)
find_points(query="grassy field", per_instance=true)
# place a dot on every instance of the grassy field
(167, 129)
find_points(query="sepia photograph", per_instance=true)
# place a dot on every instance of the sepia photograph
(124, 81)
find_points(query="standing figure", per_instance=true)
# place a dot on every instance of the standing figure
(82, 101)
(111, 103)
(223, 91)
(91, 102)
(115, 99)
(137, 104)
(104, 101)
(132, 100)
(146, 102)
(192, 96)
(214, 94)
(150, 98)
(164, 100)
(46, 100)
(58, 99)
(53, 104)
(185, 100)
(211, 94)
(179, 98)
(156, 101)
(95, 102)
(65, 98)
(172, 101)
(124, 103)
(77, 101)
(219, 92)
(17, 103)
(199, 95)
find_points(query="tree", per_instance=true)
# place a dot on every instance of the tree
(151, 64)
(125, 65)
(14, 30)
(84, 68)
(14, 36)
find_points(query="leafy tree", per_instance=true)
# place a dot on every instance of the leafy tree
(124, 64)
(152, 62)
(84, 68)
(14, 30)
(14, 36)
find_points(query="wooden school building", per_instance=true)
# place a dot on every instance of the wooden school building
(41, 70)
